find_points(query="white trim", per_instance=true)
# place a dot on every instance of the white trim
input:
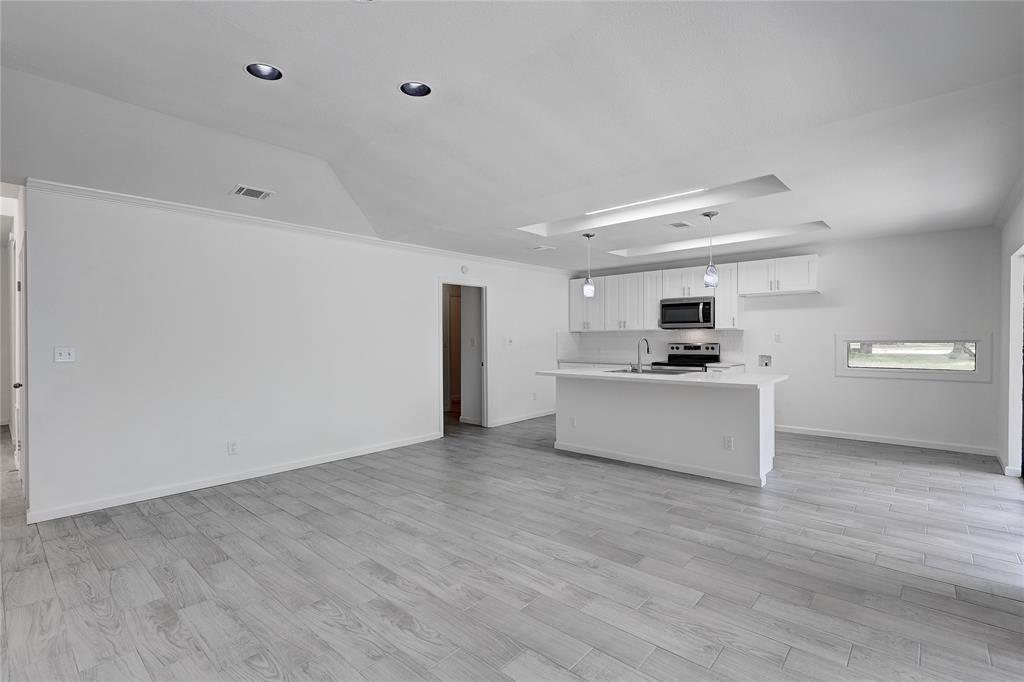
(466, 420)
(1012, 471)
(37, 515)
(890, 440)
(658, 464)
(520, 418)
(985, 350)
(175, 207)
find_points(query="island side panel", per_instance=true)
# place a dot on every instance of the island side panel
(766, 428)
(673, 426)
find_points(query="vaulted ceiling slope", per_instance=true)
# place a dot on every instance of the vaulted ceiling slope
(881, 117)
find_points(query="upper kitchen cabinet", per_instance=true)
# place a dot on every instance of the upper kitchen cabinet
(792, 275)
(652, 299)
(727, 297)
(586, 314)
(683, 282)
(624, 301)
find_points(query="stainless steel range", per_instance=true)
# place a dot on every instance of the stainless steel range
(689, 357)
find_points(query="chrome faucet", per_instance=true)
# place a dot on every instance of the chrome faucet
(639, 364)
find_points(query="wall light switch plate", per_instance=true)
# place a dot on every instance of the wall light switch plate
(764, 361)
(777, 336)
(64, 354)
(233, 448)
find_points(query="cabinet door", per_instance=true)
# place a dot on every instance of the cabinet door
(652, 299)
(576, 317)
(796, 273)
(727, 298)
(673, 284)
(612, 302)
(631, 300)
(756, 277)
(593, 308)
(694, 278)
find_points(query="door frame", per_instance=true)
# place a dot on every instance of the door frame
(439, 331)
(19, 341)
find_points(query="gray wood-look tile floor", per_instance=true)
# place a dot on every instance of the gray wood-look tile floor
(487, 555)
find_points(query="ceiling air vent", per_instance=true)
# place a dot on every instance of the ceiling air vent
(543, 247)
(681, 225)
(251, 192)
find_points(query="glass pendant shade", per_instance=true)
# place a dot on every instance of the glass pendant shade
(588, 287)
(711, 276)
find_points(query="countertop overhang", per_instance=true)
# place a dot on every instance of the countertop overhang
(719, 379)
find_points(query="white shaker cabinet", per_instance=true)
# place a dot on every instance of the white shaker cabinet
(586, 314)
(652, 299)
(624, 301)
(683, 282)
(791, 275)
(727, 297)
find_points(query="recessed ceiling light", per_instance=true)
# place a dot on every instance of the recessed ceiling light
(415, 89)
(264, 71)
(645, 201)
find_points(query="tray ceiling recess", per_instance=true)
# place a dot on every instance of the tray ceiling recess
(693, 199)
(723, 239)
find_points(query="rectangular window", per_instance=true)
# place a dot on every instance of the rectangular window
(953, 358)
(943, 356)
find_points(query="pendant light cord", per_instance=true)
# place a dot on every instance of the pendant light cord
(711, 243)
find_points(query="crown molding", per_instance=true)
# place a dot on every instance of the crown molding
(60, 188)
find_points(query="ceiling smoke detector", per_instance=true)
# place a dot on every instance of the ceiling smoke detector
(251, 192)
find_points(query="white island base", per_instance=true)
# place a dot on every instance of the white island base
(683, 423)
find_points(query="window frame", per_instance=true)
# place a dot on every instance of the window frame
(982, 372)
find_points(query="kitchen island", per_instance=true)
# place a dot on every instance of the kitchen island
(718, 425)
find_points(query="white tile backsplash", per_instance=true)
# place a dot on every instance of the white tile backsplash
(619, 347)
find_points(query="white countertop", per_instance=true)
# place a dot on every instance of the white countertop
(728, 379)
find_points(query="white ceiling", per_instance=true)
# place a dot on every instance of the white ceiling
(880, 117)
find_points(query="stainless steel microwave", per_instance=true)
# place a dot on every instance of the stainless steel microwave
(697, 312)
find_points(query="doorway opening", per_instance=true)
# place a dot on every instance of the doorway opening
(12, 328)
(463, 356)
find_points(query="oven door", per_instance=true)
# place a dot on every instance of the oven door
(688, 313)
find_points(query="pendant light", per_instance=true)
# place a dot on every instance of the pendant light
(588, 283)
(711, 273)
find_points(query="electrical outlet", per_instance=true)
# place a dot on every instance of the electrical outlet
(572, 421)
(64, 354)
(764, 361)
(728, 443)
(533, 396)
(233, 448)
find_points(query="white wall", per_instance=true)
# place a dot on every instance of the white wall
(194, 329)
(1010, 381)
(472, 379)
(911, 286)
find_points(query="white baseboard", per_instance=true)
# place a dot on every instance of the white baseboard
(1012, 471)
(37, 515)
(467, 420)
(890, 440)
(520, 418)
(696, 471)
